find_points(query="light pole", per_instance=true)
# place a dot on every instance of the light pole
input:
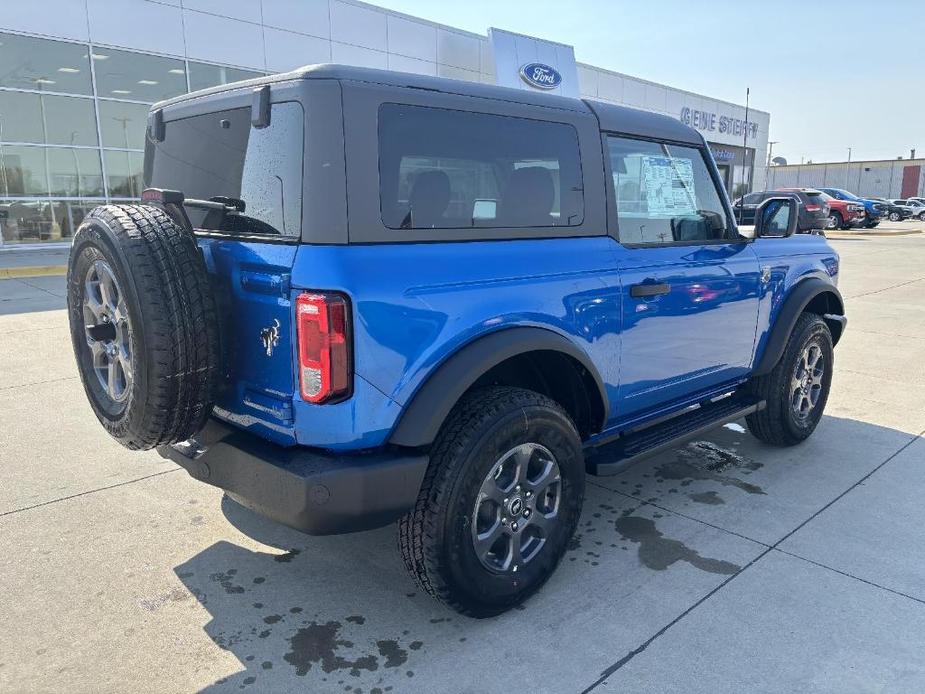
(76, 161)
(767, 167)
(847, 167)
(40, 82)
(129, 181)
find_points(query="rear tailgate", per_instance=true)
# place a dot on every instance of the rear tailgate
(249, 235)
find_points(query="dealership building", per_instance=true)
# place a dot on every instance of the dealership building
(77, 78)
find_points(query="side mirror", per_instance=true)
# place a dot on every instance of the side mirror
(777, 218)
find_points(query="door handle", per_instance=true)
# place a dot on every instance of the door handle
(644, 291)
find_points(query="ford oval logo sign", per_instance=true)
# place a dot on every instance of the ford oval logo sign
(540, 76)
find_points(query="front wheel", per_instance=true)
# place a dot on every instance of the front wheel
(895, 216)
(797, 388)
(499, 503)
(834, 221)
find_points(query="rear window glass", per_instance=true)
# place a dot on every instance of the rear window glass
(445, 169)
(219, 157)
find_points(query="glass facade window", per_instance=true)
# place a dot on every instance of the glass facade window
(55, 66)
(46, 119)
(23, 170)
(72, 133)
(124, 171)
(123, 124)
(75, 173)
(136, 76)
(203, 75)
(34, 221)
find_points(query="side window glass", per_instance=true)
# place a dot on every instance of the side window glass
(255, 174)
(665, 194)
(446, 169)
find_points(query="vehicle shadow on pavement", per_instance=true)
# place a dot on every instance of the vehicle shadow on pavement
(333, 614)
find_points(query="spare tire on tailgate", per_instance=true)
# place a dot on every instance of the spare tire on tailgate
(143, 324)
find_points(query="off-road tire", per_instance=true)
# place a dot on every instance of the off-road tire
(778, 424)
(162, 278)
(435, 537)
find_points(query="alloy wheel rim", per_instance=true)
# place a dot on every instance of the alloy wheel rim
(806, 383)
(108, 331)
(516, 508)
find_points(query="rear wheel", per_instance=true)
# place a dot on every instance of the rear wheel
(797, 389)
(922, 216)
(499, 502)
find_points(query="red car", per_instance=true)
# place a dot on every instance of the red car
(843, 214)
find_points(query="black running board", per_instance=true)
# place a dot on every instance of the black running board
(610, 458)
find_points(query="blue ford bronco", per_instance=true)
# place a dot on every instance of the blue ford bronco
(350, 297)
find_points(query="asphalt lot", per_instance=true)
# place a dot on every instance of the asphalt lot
(724, 566)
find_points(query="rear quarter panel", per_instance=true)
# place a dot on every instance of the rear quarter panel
(414, 305)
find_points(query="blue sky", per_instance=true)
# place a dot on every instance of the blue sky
(832, 74)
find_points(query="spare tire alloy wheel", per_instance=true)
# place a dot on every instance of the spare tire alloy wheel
(143, 325)
(516, 507)
(109, 332)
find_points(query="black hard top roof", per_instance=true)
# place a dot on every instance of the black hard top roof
(612, 117)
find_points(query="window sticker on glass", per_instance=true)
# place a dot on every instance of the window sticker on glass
(669, 186)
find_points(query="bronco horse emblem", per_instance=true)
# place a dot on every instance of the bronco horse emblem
(270, 337)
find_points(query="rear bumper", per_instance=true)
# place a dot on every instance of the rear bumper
(311, 491)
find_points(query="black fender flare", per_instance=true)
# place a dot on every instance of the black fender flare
(429, 406)
(795, 303)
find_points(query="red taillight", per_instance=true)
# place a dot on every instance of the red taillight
(324, 358)
(812, 208)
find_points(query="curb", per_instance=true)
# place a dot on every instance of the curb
(12, 273)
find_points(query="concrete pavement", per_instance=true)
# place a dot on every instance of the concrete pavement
(723, 566)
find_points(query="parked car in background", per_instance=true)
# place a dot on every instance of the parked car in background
(813, 210)
(844, 214)
(916, 207)
(875, 209)
(895, 213)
